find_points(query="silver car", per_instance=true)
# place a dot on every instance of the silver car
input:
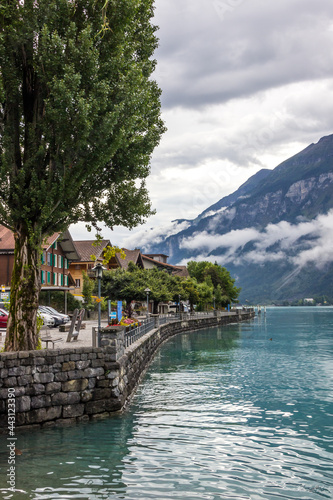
(48, 320)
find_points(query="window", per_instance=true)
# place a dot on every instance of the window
(55, 260)
(48, 277)
(54, 278)
(42, 277)
(77, 283)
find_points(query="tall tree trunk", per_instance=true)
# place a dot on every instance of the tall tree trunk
(24, 295)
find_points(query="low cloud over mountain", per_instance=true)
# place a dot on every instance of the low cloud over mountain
(275, 230)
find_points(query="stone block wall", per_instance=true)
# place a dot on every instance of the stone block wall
(66, 386)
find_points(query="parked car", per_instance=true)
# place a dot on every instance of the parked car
(47, 319)
(3, 318)
(59, 318)
(50, 310)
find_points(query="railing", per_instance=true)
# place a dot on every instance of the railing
(146, 326)
(134, 334)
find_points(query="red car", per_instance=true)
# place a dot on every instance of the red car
(3, 318)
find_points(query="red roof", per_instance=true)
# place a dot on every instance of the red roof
(7, 241)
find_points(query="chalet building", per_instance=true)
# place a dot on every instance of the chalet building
(134, 256)
(160, 261)
(159, 257)
(88, 255)
(58, 252)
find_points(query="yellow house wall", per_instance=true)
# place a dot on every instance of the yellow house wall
(76, 272)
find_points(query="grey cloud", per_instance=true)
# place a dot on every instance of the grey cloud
(259, 45)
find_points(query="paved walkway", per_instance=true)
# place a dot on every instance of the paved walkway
(84, 339)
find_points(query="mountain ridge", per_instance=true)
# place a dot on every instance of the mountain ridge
(295, 198)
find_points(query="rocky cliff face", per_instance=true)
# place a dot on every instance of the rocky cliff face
(281, 216)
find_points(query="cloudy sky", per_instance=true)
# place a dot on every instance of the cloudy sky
(246, 84)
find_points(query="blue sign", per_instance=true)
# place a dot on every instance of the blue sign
(113, 315)
(119, 310)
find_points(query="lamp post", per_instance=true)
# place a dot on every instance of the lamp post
(147, 290)
(179, 302)
(99, 268)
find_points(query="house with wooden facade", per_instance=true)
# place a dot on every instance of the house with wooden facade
(58, 252)
(160, 261)
(89, 253)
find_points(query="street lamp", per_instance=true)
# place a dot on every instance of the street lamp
(179, 302)
(147, 290)
(99, 268)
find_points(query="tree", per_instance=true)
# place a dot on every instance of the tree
(190, 287)
(79, 120)
(131, 284)
(206, 292)
(120, 284)
(217, 276)
(87, 291)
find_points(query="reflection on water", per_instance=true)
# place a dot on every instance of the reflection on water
(241, 412)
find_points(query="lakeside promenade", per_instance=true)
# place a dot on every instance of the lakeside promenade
(84, 338)
(73, 382)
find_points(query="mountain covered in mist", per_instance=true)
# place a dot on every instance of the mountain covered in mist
(274, 234)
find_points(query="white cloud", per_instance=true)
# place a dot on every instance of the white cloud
(303, 243)
(145, 238)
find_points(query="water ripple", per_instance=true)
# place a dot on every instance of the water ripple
(221, 414)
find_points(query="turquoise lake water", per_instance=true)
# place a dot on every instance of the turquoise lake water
(240, 412)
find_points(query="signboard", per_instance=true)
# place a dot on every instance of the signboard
(4, 295)
(119, 310)
(113, 315)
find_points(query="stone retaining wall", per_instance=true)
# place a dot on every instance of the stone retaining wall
(67, 386)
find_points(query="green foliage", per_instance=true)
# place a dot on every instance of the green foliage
(56, 299)
(190, 286)
(206, 292)
(87, 99)
(79, 120)
(131, 285)
(217, 279)
(87, 290)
